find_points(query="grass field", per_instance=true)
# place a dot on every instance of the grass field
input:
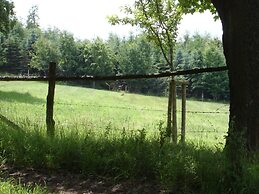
(83, 108)
(118, 135)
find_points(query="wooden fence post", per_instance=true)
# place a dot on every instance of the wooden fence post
(169, 111)
(50, 100)
(174, 108)
(183, 112)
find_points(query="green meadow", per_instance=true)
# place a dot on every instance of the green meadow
(83, 109)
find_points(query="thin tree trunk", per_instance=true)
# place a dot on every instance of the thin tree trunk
(173, 88)
(169, 110)
(183, 113)
(174, 116)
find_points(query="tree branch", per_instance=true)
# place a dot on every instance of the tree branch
(160, 43)
(167, 34)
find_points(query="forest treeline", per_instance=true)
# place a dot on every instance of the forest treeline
(28, 49)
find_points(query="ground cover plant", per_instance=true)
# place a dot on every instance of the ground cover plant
(93, 138)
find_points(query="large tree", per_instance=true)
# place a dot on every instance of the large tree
(240, 22)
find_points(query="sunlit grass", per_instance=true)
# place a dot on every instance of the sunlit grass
(10, 187)
(97, 109)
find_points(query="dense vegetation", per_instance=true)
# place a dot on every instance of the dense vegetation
(29, 49)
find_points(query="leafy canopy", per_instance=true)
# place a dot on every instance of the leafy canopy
(33, 18)
(158, 18)
(6, 16)
(191, 6)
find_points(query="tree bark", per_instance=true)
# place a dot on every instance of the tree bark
(240, 22)
(50, 100)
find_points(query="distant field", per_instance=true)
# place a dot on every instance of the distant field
(78, 108)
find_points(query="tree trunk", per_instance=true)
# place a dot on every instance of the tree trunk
(240, 21)
(50, 100)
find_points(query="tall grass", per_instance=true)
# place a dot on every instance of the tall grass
(123, 155)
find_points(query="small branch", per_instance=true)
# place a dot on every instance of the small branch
(160, 43)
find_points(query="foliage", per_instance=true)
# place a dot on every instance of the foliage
(45, 50)
(29, 49)
(33, 18)
(6, 16)
(98, 58)
(159, 19)
(134, 55)
(14, 53)
(191, 6)
(201, 52)
(69, 54)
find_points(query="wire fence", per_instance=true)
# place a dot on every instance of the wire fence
(141, 109)
(198, 121)
(200, 124)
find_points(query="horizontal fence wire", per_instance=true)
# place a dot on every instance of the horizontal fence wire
(204, 112)
(140, 109)
(134, 108)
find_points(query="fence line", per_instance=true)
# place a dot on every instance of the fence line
(137, 109)
(117, 77)
(52, 78)
(12, 124)
(140, 109)
(205, 112)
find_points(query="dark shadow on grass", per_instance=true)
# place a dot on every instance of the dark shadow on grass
(8, 122)
(20, 97)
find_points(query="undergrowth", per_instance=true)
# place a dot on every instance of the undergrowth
(122, 154)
